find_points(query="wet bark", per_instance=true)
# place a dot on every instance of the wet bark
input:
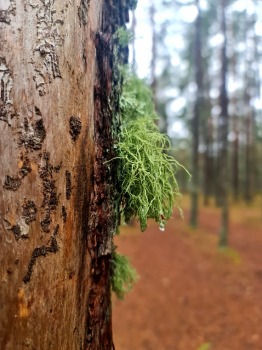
(56, 209)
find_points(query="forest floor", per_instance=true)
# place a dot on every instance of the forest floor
(190, 294)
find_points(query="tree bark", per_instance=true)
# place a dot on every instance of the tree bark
(56, 210)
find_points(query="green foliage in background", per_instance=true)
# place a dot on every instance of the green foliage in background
(123, 275)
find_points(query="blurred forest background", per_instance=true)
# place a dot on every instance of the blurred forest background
(203, 61)
(205, 73)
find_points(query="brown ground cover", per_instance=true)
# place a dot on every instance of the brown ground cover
(191, 295)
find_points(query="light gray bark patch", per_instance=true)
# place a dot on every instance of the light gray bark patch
(49, 37)
(83, 11)
(7, 111)
(33, 135)
(7, 10)
(20, 229)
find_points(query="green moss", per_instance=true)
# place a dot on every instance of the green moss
(123, 275)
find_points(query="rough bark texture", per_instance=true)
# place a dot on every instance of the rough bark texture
(56, 209)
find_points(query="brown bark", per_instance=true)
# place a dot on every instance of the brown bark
(56, 209)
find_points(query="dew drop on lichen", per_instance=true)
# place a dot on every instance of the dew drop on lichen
(162, 227)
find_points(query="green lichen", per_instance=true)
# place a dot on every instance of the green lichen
(123, 36)
(123, 275)
(148, 185)
(146, 173)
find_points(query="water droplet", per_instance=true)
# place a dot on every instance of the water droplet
(161, 227)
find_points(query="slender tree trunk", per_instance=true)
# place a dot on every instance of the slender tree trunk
(56, 209)
(223, 134)
(152, 13)
(234, 184)
(196, 119)
(208, 156)
(252, 90)
(235, 160)
(133, 29)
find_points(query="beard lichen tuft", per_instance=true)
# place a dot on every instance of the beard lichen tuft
(123, 275)
(146, 173)
(146, 185)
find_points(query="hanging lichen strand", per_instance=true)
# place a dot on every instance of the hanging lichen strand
(123, 275)
(146, 173)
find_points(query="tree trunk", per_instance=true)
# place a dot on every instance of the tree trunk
(56, 209)
(208, 155)
(133, 43)
(235, 160)
(152, 14)
(223, 135)
(252, 91)
(196, 119)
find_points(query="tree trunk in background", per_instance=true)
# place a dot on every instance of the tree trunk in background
(252, 91)
(196, 119)
(235, 122)
(152, 13)
(208, 156)
(133, 31)
(56, 210)
(235, 156)
(223, 176)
